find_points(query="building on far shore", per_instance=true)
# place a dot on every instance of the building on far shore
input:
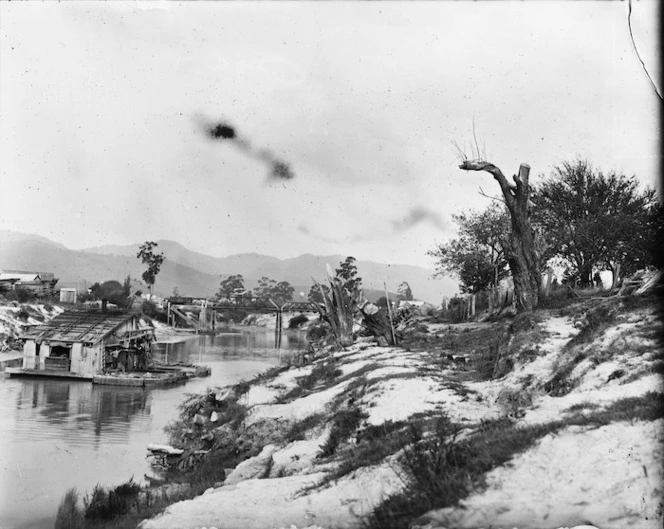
(39, 283)
(81, 344)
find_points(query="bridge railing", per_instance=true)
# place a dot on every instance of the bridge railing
(253, 304)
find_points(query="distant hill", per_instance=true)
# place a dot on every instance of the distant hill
(299, 271)
(197, 274)
(10, 236)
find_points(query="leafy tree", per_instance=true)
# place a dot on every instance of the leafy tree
(153, 261)
(280, 292)
(404, 292)
(382, 301)
(347, 272)
(230, 285)
(477, 255)
(126, 286)
(112, 291)
(594, 220)
(314, 293)
(265, 286)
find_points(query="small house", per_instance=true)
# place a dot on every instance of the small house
(83, 343)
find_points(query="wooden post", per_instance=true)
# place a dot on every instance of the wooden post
(616, 276)
(472, 305)
(389, 312)
(549, 276)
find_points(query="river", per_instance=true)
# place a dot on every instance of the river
(57, 434)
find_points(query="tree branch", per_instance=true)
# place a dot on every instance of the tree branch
(489, 196)
(507, 188)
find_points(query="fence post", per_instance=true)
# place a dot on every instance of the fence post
(547, 289)
(616, 276)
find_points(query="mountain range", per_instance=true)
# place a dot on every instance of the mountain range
(198, 275)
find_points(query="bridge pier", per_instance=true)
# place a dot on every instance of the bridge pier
(278, 330)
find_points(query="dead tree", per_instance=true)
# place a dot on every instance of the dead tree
(520, 247)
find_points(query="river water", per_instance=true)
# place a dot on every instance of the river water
(57, 434)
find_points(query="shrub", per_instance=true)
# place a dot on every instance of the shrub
(318, 332)
(298, 429)
(23, 314)
(22, 295)
(69, 514)
(344, 424)
(150, 309)
(107, 505)
(597, 319)
(297, 321)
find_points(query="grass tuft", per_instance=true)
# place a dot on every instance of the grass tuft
(344, 424)
(69, 514)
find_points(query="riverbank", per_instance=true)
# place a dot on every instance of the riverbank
(547, 420)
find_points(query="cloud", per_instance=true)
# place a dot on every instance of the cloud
(416, 216)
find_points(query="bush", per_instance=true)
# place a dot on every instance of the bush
(318, 332)
(107, 505)
(150, 309)
(69, 515)
(596, 321)
(22, 295)
(345, 424)
(297, 321)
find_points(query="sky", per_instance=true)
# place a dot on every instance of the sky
(104, 108)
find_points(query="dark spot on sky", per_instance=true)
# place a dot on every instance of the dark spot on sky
(222, 131)
(282, 170)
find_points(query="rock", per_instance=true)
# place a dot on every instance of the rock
(199, 419)
(214, 417)
(208, 437)
(382, 341)
(253, 468)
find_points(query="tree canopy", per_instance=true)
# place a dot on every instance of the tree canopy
(153, 261)
(592, 220)
(404, 292)
(476, 256)
(347, 272)
(280, 292)
(229, 285)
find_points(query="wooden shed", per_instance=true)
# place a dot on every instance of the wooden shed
(82, 343)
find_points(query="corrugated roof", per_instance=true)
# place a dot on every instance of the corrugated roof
(79, 326)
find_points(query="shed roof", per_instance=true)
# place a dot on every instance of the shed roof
(79, 326)
(20, 276)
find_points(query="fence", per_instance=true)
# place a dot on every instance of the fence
(462, 308)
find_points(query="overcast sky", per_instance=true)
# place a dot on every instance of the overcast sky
(102, 105)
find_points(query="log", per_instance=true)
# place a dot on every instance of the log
(164, 450)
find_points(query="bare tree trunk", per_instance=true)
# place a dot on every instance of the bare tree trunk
(520, 249)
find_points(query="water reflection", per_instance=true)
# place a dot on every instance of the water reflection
(77, 411)
(246, 343)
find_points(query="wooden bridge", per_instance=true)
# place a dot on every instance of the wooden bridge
(205, 319)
